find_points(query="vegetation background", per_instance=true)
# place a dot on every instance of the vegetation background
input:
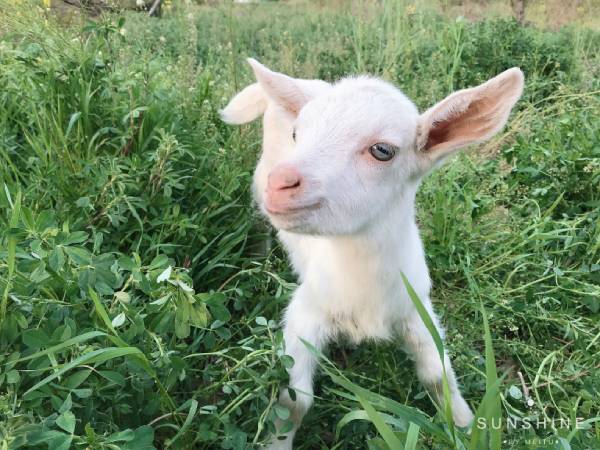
(138, 306)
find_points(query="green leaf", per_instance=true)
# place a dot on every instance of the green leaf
(112, 376)
(182, 324)
(287, 361)
(12, 376)
(39, 274)
(45, 220)
(56, 260)
(143, 439)
(122, 436)
(127, 263)
(79, 256)
(118, 320)
(62, 333)
(198, 315)
(67, 404)
(216, 306)
(82, 393)
(281, 411)
(54, 440)
(515, 392)
(122, 296)
(75, 379)
(184, 287)
(66, 421)
(76, 237)
(27, 218)
(35, 338)
(158, 262)
(165, 275)
(83, 202)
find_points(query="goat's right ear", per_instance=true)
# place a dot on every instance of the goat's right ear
(290, 93)
(247, 105)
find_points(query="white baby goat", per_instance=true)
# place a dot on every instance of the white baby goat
(340, 167)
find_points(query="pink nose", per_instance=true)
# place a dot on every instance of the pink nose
(283, 185)
(284, 178)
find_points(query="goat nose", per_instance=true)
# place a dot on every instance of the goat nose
(284, 177)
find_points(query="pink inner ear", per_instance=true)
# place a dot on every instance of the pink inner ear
(476, 122)
(474, 114)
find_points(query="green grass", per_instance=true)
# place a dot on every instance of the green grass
(140, 303)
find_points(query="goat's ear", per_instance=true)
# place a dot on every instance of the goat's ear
(290, 93)
(246, 106)
(469, 116)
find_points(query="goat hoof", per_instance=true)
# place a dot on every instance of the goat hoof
(461, 413)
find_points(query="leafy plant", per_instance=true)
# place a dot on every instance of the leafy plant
(140, 292)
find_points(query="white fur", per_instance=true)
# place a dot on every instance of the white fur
(349, 252)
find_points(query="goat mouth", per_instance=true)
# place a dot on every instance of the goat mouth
(299, 209)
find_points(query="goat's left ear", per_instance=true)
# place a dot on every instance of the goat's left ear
(290, 93)
(468, 116)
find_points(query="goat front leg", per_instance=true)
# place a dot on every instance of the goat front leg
(301, 322)
(421, 346)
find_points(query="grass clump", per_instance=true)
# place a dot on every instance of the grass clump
(138, 307)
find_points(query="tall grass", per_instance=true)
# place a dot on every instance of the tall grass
(138, 306)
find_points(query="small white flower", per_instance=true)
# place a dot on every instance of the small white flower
(123, 31)
(162, 39)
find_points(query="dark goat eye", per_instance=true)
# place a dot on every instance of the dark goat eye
(382, 152)
(294, 135)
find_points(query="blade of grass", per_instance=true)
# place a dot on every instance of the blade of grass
(361, 414)
(484, 411)
(412, 437)
(12, 251)
(386, 432)
(491, 380)
(95, 357)
(382, 403)
(186, 424)
(437, 339)
(68, 343)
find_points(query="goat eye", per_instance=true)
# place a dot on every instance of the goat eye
(294, 135)
(382, 152)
